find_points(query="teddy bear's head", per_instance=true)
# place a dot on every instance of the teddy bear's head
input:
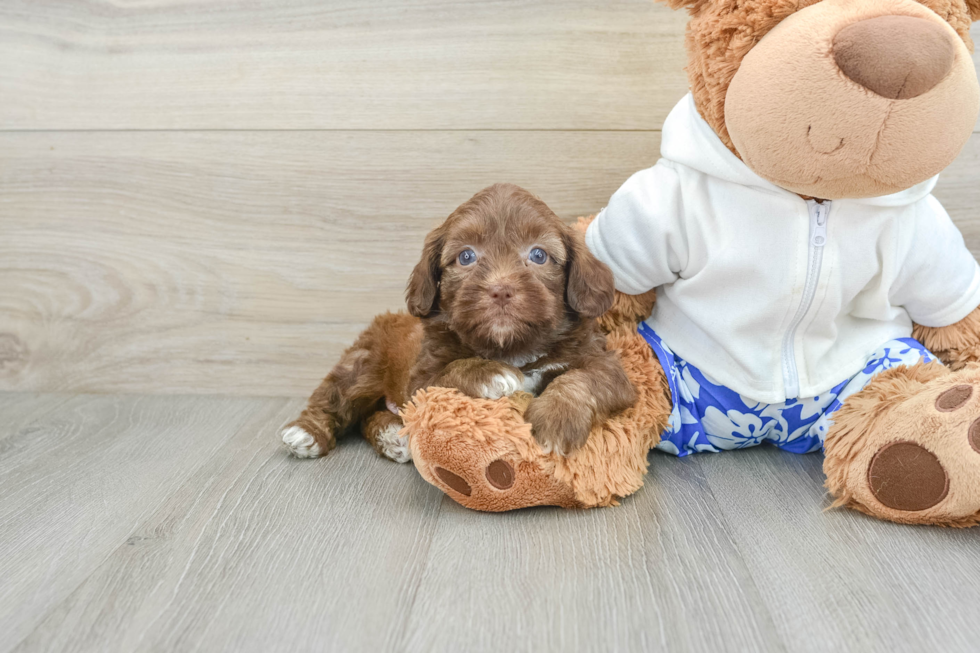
(836, 98)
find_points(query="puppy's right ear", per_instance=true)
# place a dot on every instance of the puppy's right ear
(423, 286)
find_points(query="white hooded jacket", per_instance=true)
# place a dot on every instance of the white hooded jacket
(769, 295)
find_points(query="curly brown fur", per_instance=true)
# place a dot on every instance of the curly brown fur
(482, 296)
(520, 315)
(721, 32)
(374, 368)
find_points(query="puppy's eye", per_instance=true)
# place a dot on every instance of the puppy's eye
(466, 257)
(538, 256)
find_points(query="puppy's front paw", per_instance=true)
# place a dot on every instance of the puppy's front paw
(559, 424)
(503, 384)
(300, 443)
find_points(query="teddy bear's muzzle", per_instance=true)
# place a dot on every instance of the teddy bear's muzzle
(896, 57)
(854, 98)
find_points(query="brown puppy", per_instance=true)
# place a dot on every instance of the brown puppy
(504, 299)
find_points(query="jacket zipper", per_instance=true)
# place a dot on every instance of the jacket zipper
(819, 214)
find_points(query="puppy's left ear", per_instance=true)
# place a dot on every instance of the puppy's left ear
(591, 288)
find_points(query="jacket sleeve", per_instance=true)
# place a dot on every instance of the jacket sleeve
(640, 234)
(939, 282)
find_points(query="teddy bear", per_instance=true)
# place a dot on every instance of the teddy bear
(784, 274)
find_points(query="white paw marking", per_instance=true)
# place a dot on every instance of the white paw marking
(502, 385)
(521, 361)
(532, 382)
(534, 378)
(393, 445)
(300, 443)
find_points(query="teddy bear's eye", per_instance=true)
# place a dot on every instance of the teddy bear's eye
(538, 256)
(466, 257)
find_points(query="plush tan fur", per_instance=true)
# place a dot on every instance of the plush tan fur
(899, 406)
(799, 121)
(955, 345)
(721, 32)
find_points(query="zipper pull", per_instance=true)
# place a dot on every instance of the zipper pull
(820, 227)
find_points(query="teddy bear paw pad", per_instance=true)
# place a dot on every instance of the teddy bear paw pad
(923, 464)
(905, 476)
(500, 474)
(453, 481)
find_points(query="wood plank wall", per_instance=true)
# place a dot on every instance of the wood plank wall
(202, 197)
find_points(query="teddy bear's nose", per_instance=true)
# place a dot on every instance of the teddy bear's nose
(897, 57)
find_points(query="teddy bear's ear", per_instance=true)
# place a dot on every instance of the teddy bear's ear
(974, 7)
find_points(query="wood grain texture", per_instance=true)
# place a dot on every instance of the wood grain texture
(180, 523)
(76, 480)
(658, 573)
(839, 580)
(259, 551)
(339, 64)
(242, 263)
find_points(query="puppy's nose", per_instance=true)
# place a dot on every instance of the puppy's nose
(897, 57)
(501, 293)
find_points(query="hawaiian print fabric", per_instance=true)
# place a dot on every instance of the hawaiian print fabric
(710, 417)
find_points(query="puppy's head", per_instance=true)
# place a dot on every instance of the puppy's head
(506, 275)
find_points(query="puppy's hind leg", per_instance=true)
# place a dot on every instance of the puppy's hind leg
(351, 391)
(383, 431)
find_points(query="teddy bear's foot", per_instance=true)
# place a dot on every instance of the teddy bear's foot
(907, 447)
(499, 486)
(481, 453)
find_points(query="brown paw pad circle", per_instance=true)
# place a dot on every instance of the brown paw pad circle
(954, 398)
(500, 474)
(453, 481)
(905, 476)
(974, 435)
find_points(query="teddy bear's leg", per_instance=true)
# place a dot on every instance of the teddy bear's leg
(483, 455)
(906, 448)
(481, 452)
(383, 431)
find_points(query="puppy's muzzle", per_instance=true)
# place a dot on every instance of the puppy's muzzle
(501, 293)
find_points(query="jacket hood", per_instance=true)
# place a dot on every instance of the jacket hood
(690, 141)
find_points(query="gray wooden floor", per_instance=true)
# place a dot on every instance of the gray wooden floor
(132, 523)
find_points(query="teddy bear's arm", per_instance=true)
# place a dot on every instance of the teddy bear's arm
(956, 344)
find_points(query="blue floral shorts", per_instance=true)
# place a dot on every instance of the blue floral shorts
(710, 417)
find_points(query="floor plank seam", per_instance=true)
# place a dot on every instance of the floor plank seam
(723, 520)
(402, 637)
